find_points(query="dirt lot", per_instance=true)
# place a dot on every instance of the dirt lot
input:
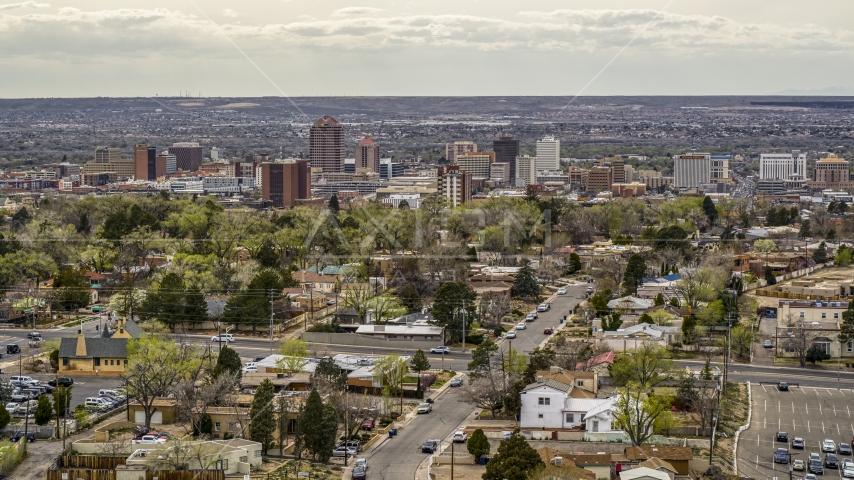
(823, 274)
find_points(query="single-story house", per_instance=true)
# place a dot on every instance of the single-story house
(629, 305)
(235, 456)
(643, 473)
(402, 332)
(599, 464)
(677, 457)
(656, 463)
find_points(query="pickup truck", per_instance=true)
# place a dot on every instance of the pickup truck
(149, 439)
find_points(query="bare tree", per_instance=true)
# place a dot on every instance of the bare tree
(181, 454)
(115, 447)
(569, 353)
(799, 340)
(193, 402)
(706, 404)
(493, 307)
(487, 391)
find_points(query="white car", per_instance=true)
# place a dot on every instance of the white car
(361, 462)
(511, 334)
(425, 408)
(149, 439)
(521, 326)
(223, 337)
(561, 291)
(460, 437)
(828, 446)
(11, 407)
(440, 350)
(252, 369)
(848, 471)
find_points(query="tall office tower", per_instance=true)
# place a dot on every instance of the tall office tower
(326, 145)
(107, 154)
(548, 154)
(600, 178)
(618, 168)
(506, 150)
(691, 170)
(286, 182)
(215, 153)
(454, 184)
(110, 160)
(526, 171)
(368, 154)
(188, 155)
(475, 163)
(456, 148)
(783, 166)
(144, 162)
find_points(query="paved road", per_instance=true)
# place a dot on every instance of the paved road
(740, 372)
(399, 457)
(530, 338)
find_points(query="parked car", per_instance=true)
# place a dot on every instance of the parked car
(781, 455)
(798, 465)
(457, 382)
(511, 334)
(31, 437)
(258, 359)
(828, 445)
(22, 381)
(768, 344)
(330, 302)
(521, 326)
(815, 467)
(62, 382)
(361, 462)
(34, 336)
(814, 456)
(844, 449)
(12, 349)
(810, 476)
(223, 337)
(848, 471)
(798, 443)
(440, 350)
(782, 437)
(561, 291)
(530, 318)
(354, 444)
(359, 473)
(543, 307)
(252, 369)
(783, 387)
(150, 438)
(369, 424)
(548, 331)
(22, 396)
(830, 461)
(430, 446)
(424, 408)
(535, 314)
(344, 451)
(11, 407)
(460, 437)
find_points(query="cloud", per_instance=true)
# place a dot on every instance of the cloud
(229, 13)
(12, 6)
(352, 11)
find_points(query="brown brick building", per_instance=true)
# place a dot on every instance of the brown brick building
(285, 183)
(368, 154)
(326, 145)
(188, 155)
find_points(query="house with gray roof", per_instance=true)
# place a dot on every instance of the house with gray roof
(98, 356)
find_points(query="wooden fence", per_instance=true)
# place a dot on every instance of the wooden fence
(96, 462)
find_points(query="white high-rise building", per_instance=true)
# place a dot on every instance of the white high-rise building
(214, 154)
(783, 166)
(526, 170)
(548, 154)
(691, 170)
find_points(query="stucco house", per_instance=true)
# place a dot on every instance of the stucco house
(105, 355)
(547, 404)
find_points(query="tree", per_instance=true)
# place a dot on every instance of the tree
(493, 307)
(480, 357)
(252, 305)
(71, 289)
(636, 410)
(770, 278)
(515, 460)
(659, 299)
(228, 361)
(574, 263)
(820, 253)
(689, 330)
(710, 210)
(805, 229)
(612, 323)
(478, 444)
(419, 362)
(647, 366)
(701, 285)
(262, 421)
(525, 285)
(830, 235)
(410, 298)
(742, 338)
(686, 395)
(660, 317)
(800, 339)
(61, 401)
(454, 301)
(706, 372)
(333, 205)
(816, 354)
(391, 370)
(843, 256)
(846, 328)
(83, 226)
(44, 411)
(315, 430)
(764, 245)
(486, 391)
(294, 353)
(5, 418)
(635, 271)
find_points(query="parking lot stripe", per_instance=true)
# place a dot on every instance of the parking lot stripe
(834, 410)
(849, 410)
(822, 427)
(808, 426)
(793, 407)
(794, 427)
(841, 393)
(807, 405)
(778, 405)
(838, 431)
(819, 410)
(766, 404)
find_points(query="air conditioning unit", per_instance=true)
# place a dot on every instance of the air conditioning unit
(557, 461)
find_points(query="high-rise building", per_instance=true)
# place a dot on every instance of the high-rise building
(326, 145)
(389, 169)
(454, 184)
(500, 172)
(188, 155)
(368, 154)
(783, 166)
(577, 178)
(475, 163)
(457, 148)
(166, 164)
(526, 170)
(691, 170)
(548, 154)
(215, 153)
(145, 162)
(831, 172)
(600, 178)
(110, 160)
(506, 150)
(286, 182)
(107, 154)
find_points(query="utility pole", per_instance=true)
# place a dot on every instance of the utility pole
(346, 424)
(271, 321)
(464, 325)
(452, 460)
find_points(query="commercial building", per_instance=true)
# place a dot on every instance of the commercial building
(286, 182)
(145, 162)
(783, 166)
(389, 169)
(227, 185)
(367, 155)
(188, 155)
(454, 184)
(628, 190)
(456, 148)
(326, 145)
(548, 154)
(506, 150)
(526, 170)
(110, 160)
(719, 169)
(552, 177)
(599, 179)
(618, 168)
(411, 199)
(99, 179)
(64, 169)
(477, 164)
(831, 172)
(501, 172)
(690, 170)
(577, 178)
(653, 180)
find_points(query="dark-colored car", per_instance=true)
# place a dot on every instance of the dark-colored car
(359, 473)
(548, 331)
(31, 437)
(34, 335)
(815, 467)
(12, 349)
(783, 387)
(781, 456)
(798, 443)
(456, 382)
(430, 446)
(63, 382)
(782, 437)
(844, 449)
(830, 461)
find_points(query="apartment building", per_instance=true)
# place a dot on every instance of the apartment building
(526, 170)
(477, 164)
(457, 148)
(454, 184)
(548, 154)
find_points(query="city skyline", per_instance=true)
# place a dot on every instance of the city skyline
(616, 47)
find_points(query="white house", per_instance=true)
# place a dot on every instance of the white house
(629, 305)
(643, 473)
(599, 418)
(547, 404)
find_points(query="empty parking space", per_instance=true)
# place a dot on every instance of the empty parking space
(812, 414)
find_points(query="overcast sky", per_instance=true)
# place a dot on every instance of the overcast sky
(52, 48)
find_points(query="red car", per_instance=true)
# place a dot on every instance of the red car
(548, 331)
(368, 424)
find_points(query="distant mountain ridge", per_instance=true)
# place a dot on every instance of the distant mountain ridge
(835, 91)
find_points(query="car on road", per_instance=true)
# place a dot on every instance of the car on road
(62, 382)
(782, 437)
(768, 344)
(31, 437)
(535, 314)
(460, 437)
(798, 443)
(561, 291)
(830, 461)
(844, 449)
(457, 382)
(548, 331)
(543, 307)
(331, 302)
(783, 387)
(521, 326)
(440, 350)
(798, 465)
(361, 462)
(430, 446)
(511, 334)
(781, 455)
(424, 408)
(342, 451)
(34, 336)
(223, 337)
(359, 473)
(530, 317)
(828, 445)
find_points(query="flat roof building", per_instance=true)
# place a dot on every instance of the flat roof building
(326, 144)
(506, 150)
(188, 155)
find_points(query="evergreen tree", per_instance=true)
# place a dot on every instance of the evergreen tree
(574, 262)
(453, 301)
(83, 227)
(674, 301)
(403, 205)
(61, 400)
(706, 373)
(314, 439)
(830, 235)
(195, 306)
(686, 396)
(478, 444)
(419, 362)
(820, 253)
(525, 285)
(612, 323)
(816, 354)
(846, 328)
(805, 229)
(514, 460)
(328, 432)
(689, 329)
(262, 421)
(710, 210)
(659, 300)
(480, 357)
(770, 279)
(5, 418)
(410, 298)
(44, 411)
(20, 219)
(333, 205)
(71, 289)
(228, 361)
(633, 277)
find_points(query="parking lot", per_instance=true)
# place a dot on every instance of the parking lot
(813, 414)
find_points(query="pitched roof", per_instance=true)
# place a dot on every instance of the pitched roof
(582, 404)
(607, 357)
(554, 384)
(643, 472)
(325, 120)
(132, 328)
(582, 459)
(95, 347)
(631, 302)
(657, 463)
(662, 452)
(367, 141)
(604, 407)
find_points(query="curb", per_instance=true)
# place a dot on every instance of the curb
(741, 428)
